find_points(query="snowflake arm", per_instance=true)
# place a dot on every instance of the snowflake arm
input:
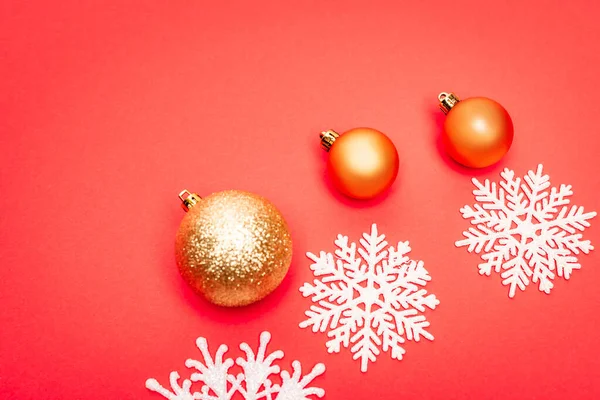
(334, 289)
(257, 368)
(295, 386)
(479, 239)
(534, 188)
(366, 345)
(493, 260)
(372, 250)
(413, 324)
(178, 392)
(548, 207)
(213, 373)
(341, 335)
(516, 273)
(406, 292)
(541, 258)
(388, 330)
(572, 220)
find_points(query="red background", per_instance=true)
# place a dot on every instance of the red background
(110, 109)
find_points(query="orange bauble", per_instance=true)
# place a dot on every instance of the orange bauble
(477, 132)
(363, 162)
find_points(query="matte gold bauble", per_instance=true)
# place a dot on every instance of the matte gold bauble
(232, 247)
(478, 131)
(363, 162)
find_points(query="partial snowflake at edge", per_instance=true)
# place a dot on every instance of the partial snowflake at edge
(369, 298)
(524, 231)
(252, 383)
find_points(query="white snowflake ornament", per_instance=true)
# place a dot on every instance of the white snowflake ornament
(524, 231)
(369, 299)
(253, 383)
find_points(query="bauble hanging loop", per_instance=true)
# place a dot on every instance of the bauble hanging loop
(188, 200)
(232, 247)
(477, 132)
(362, 163)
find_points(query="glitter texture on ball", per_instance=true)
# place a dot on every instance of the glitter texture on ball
(232, 247)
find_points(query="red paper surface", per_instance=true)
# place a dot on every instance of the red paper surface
(109, 109)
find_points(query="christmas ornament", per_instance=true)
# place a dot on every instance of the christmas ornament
(525, 231)
(368, 301)
(218, 383)
(477, 132)
(363, 162)
(232, 247)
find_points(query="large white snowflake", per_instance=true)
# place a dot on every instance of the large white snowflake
(525, 231)
(371, 300)
(253, 383)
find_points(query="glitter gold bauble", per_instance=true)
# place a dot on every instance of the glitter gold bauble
(478, 131)
(362, 163)
(232, 247)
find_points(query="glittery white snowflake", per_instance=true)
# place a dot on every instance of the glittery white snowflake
(253, 383)
(525, 231)
(368, 301)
